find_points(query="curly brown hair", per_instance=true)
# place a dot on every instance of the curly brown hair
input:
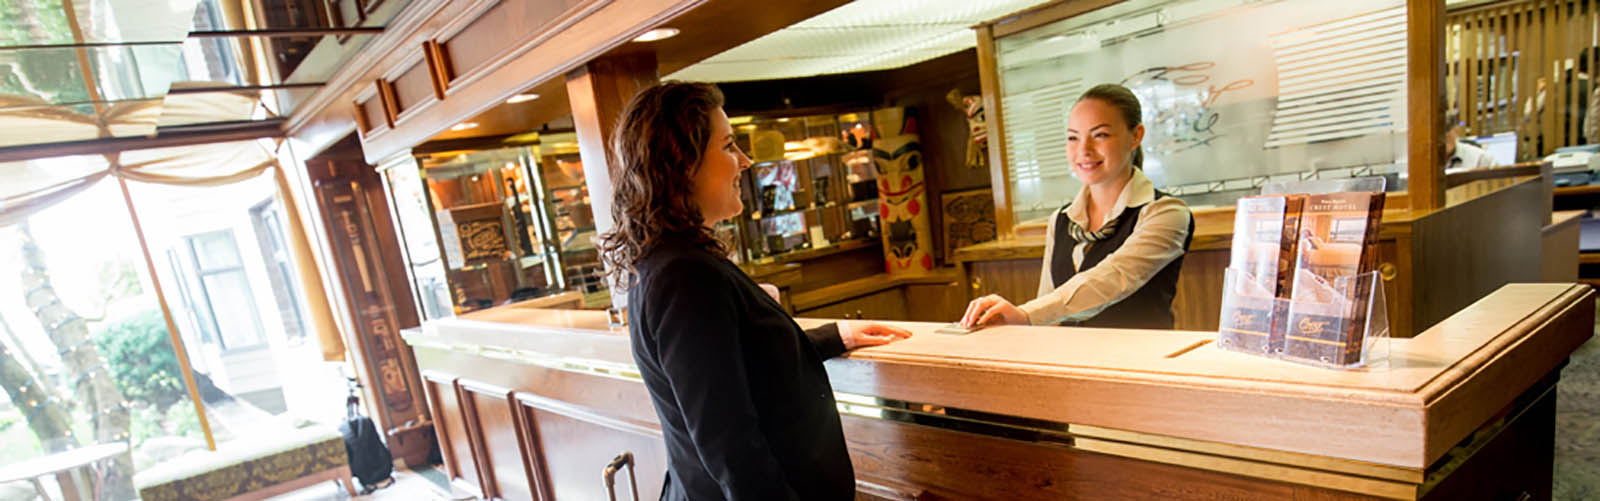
(656, 148)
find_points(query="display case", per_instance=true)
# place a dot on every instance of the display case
(1235, 94)
(569, 218)
(490, 225)
(811, 185)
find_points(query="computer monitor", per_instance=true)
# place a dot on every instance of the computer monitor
(1502, 146)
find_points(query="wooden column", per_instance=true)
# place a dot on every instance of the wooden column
(598, 91)
(999, 178)
(1425, 102)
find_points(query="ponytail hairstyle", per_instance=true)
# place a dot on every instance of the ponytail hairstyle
(1125, 102)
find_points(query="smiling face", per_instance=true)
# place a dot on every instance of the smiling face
(1099, 143)
(716, 179)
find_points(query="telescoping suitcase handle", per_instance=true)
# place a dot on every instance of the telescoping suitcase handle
(610, 475)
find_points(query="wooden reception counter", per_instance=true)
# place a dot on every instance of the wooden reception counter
(533, 404)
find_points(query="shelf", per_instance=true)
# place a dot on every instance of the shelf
(1582, 189)
(1588, 257)
(759, 215)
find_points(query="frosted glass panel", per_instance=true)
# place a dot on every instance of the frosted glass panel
(1236, 93)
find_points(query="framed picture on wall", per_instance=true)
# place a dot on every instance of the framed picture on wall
(968, 219)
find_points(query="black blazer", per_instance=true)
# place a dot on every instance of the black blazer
(745, 405)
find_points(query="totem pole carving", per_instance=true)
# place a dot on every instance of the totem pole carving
(902, 201)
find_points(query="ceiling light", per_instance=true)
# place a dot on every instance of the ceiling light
(657, 34)
(463, 126)
(522, 98)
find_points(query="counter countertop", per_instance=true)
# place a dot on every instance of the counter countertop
(1439, 387)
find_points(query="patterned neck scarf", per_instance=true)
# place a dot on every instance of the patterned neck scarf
(1081, 234)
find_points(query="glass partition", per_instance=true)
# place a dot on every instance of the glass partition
(1236, 93)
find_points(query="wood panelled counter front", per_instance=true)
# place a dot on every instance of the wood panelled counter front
(533, 404)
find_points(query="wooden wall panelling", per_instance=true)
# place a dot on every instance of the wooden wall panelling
(478, 46)
(1460, 262)
(370, 112)
(935, 302)
(887, 304)
(1425, 97)
(504, 461)
(1017, 280)
(533, 456)
(577, 443)
(999, 178)
(955, 465)
(455, 443)
(1197, 306)
(412, 86)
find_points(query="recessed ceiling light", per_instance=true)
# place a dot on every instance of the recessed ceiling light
(657, 34)
(463, 126)
(522, 98)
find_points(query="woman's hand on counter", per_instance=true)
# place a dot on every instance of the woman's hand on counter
(864, 334)
(993, 310)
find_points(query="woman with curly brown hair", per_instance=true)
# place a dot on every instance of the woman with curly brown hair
(745, 405)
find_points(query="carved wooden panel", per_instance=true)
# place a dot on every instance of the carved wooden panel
(575, 444)
(449, 422)
(411, 87)
(500, 453)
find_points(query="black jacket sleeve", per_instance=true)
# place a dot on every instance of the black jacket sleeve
(698, 342)
(826, 340)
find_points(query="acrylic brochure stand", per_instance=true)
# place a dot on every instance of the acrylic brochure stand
(1255, 322)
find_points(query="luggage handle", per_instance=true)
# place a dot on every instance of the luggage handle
(610, 474)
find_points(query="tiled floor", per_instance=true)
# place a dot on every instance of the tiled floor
(1578, 425)
(409, 485)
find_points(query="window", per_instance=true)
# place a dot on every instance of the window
(226, 290)
(268, 225)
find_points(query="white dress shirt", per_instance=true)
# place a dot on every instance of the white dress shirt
(1157, 240)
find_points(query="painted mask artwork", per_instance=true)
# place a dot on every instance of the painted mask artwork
(897, 155)
(977, 128)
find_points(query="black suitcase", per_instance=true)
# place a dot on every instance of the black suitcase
(370, 461)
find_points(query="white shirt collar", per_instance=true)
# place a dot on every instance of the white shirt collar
(1138, 192)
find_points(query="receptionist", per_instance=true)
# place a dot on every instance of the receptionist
(1112, 255)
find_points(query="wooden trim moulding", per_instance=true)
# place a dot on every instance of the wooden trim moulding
(410, 19)
(389, 79)
(531, 448)
(999, 177)
(1425, 102)
(432, 379)
(1045, 14)
(473, 390)
(438, 67)
(466, 398)
(539, 35)
(531, 67)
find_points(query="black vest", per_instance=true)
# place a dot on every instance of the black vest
(1150, 307)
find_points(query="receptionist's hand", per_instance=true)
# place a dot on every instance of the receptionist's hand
(993, 310)
(864, 334)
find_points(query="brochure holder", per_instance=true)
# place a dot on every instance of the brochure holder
(1309, 331)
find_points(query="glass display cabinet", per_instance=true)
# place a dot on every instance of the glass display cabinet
(811, 184)
(487, 226)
